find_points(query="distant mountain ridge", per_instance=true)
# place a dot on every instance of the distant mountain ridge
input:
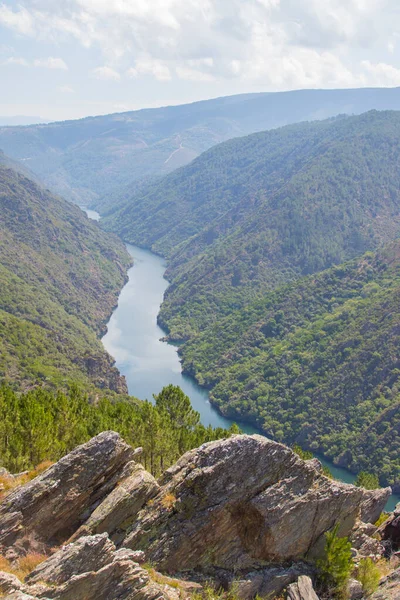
(94, 160)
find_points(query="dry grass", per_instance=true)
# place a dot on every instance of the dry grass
(41, 468)
(162, 579)
(7, 484)
(23, 566)
(168, 501)
(384, 567)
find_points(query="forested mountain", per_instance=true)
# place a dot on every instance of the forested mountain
(96, 159)
(259, 211)
(60, 278)
(316, 362)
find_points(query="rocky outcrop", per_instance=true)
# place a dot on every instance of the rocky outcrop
(53, 505)
(244, 512)
(389, 587)
(90, 569)
(268, 582)
(390, 531)
(302, 589)
(118, 510)
(242, 503)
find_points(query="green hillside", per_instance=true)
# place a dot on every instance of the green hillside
(60, 278)
(316, 362)
(256, 212)
(91, 160)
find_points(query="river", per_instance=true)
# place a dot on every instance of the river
(133, 338)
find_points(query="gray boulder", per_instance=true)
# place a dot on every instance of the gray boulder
(302, 589)
(242, 503)
(92, 569)
(53, 505)
(118, 510)
(389, 587)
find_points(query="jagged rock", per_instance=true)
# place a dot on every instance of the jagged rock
(355, 590)
(371, 506)
(9, 583)
(316, 464)
(302, 589)
(241, 503)
(366, 545)
(89, 553)
(389, 587)
(118, 510)
(54, 504)
(269, 582)
(92, 569)
(390, 531)
(20, 596)
(5, 474)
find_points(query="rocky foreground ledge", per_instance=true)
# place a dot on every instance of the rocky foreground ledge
(244, 509)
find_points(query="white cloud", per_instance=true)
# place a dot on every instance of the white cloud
(148, 66)
(51, 63)
(381, 74)
(106, 73)
(16, 60)
(20, 21)
(193, 74)
(66, 89)
(277, 44)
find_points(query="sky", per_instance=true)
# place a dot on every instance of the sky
(64, 59)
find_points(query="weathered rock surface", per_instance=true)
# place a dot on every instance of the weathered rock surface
(92, 569)
(390, 531)
(269, 582)
(302, 589)
(355, 590)
(389, 587)
(9, 583)
(54, 504)
(89, 553)
(242, 503)
(118, 510)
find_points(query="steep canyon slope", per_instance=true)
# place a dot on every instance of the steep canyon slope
(60, 279)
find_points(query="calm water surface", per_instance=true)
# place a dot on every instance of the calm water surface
(134, 340)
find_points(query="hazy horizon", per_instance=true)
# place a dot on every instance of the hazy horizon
(89, 57)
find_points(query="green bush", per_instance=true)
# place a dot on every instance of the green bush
(336, 565)
(368, 576)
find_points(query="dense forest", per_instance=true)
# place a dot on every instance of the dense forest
(256, 212)
(42, 425)
(316, 363)
(60, 278)
(308, 358)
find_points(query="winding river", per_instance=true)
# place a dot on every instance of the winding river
(133, 338)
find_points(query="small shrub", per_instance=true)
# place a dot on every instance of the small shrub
(168, 501)
(381, 519)
(336, 565)
(368, 575)
(39, 469)
(304, 454)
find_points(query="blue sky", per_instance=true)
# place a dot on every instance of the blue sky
(73, 58)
